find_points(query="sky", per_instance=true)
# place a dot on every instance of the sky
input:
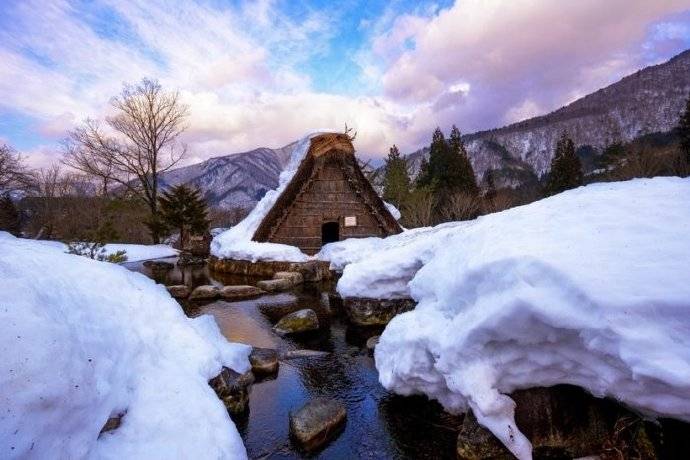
(263, 73)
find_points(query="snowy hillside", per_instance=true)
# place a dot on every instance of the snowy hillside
(589, 287)
(84, 341)
(239, 179)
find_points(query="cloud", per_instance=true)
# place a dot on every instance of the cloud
(248, 71)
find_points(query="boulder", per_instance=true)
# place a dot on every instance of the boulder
(205, 292)
(562, 422)
(296, 354)
(313, 270)
(375, 312)
(233, 389)
(294, 277)
(264, 361)
(372, 342)
(300, 321)
(317, 423)
(240, 292)
(277, 306)
(178, 291)
(275, 285)
(158, 265)
(187, 258)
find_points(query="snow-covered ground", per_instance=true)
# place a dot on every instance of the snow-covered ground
(590, 287)
(83, 340)
(135, 252)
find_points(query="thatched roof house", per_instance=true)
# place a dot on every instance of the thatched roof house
(327, 200)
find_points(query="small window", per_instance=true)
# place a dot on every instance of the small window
(330, 232)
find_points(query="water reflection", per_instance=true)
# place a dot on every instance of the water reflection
(379, 425)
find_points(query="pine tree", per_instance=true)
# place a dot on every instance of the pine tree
(184, 209)
(459, 174)
(396, 182)
(9, 215)
(683, 130)
(566, 168)
(490, 187)
(424, 175)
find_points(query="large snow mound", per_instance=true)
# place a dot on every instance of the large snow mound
(134, 252)
(590, 287)
(83, 340)
(236, 243)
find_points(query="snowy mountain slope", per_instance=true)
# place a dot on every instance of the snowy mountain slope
(83, 341)
(645, 102)
(239, 179)
(588, 287)
(648, 101)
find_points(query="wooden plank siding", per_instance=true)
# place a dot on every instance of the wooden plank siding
(329, 197)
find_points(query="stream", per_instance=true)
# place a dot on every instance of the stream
(379, 424)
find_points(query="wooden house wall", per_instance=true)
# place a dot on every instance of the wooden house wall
(328, 198)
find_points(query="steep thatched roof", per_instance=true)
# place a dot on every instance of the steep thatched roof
(331, 146)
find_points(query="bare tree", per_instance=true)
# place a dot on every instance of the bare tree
(144, 143)
(14, 175)
(418, 209)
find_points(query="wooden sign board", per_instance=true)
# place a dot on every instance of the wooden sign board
(351, 221)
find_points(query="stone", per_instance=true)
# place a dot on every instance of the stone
(561, 422)
(375, 312)
(233, 389)
(113, 423)
(240, 292)
(178, 291)
(317, 423)
(264, 361)
(300, 321)
(274, 285)
(313, 271)
(205, 292)
(296, 354)
(372, 342)
(187, 258)
(294, 277)
(158, 265)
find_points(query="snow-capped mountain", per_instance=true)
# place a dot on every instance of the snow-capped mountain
(645, 102)
(236, 180)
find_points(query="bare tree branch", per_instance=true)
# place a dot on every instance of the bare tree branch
(145, 143)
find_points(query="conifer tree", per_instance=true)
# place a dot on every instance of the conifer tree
(9, 215)
(396, 182)
(683, 130)
(566, 168)
(490, 187)
(459, 174)
(184, 209)
(424, 175)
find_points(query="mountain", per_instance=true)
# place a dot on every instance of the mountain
(236, 180)
(648, 101)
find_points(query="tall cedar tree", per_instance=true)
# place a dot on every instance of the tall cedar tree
(490, 187)
(566, 169)
(9, 215)
(459, 175)
(396, 182)
(683, 130)
(184, 209)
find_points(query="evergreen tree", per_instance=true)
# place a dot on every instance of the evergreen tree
(424, 175)
(683, 130)
(9, 215)
(566, 169)
(396, 182)
(612, 155)
(490, 186)
(458, 173)
(184, 209)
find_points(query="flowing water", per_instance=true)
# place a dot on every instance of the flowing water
(379, 424)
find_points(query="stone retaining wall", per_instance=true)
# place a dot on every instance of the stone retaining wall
(312, 271)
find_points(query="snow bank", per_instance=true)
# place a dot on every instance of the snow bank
(84, 340)
(236, 243)
(589, 287)
(135, 252)
(395, 212)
